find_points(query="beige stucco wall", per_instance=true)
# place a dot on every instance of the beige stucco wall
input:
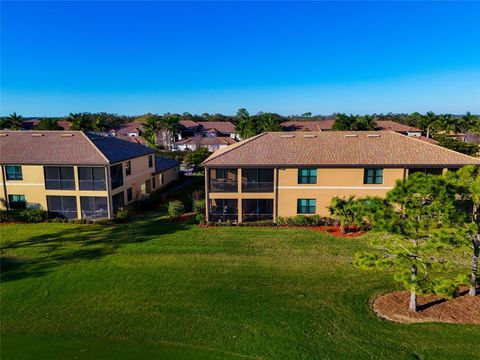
(33, 184)
(331, 182)
(33, 188)
(136, 180)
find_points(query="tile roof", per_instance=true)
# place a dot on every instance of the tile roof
(65, 148)
(133, 127)
(162, 164)
(220, 126)
(336, 148)
(64, 125)
(189, 125)
(382, 125)
(207, 140)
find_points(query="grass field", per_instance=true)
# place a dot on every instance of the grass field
(149, 289)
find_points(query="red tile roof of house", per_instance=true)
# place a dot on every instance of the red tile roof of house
(337, 149)
(382, 125)
(189, 125)
(207, 140)
(133, 127)
(221, 126)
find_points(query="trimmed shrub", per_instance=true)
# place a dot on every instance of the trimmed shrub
(175, 209)
(198, 206)
(200, 218)
(123, 215)
(23, 215)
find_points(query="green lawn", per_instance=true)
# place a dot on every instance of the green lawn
(151, 290)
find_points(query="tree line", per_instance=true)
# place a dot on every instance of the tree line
(440, 127)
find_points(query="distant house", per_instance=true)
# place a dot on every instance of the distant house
(130, 130)
(30, 124)
(212, 143)
(190, 128)
(298, 173)
(78, 175)
(212, 135)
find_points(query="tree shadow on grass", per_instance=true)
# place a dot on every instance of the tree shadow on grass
(76, 243)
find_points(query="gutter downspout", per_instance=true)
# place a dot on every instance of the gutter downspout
(109, 191)
(276, 195)
(7, 205)
(207, 200)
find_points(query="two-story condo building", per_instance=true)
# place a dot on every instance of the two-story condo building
(73, 174)
(289, 173)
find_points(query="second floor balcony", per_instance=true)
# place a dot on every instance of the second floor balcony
(257, 180)
(223, 185)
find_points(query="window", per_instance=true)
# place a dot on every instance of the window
(93, 207)
(257, 180)
(91, 178)
(257, 209)
(223, 210)
(118, 201)
(307, 176)
(373, 176)
(17, 202)
(161, 179)
(128, 168)
(59, 178)
(116, 172)
(306, 206)
(148, 186)
(223, 180)
(431, 171)
(154, 182)
(150, 161)
(129, 194)
(62, 206)
(14, 172)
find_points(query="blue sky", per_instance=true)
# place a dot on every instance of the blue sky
(290, 58)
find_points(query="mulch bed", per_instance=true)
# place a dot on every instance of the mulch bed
(393, 306)
(335, 231)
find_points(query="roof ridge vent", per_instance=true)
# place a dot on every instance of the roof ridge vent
(373, 135)
(351, 135)
(288, 136)
(37, 135)
(309, 136)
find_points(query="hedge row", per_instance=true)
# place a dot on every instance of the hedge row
(23, 215)
(298, 220)
(305, 220)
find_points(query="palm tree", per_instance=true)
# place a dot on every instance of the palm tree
(15, 121)
(345, 123)
(100, 123)
(342, 210)
(268, 122)
(170, 124)
(151, 127)
(245, 126)
(80, 121)
(366, 122)
(450, 124)
(471, 122)
(429, 121)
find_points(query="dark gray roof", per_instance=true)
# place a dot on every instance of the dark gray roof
(116, 150)
(162, 164)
